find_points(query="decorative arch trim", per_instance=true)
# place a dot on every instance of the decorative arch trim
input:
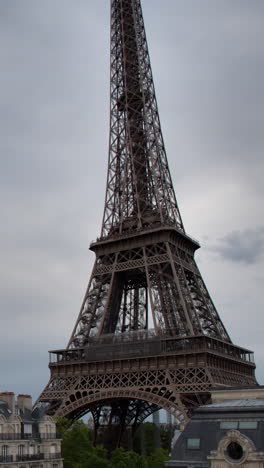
(168, 405)
(241, 439)
(236, 436)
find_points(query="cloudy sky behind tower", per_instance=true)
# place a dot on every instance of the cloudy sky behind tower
(208, 64)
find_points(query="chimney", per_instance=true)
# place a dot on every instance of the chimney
(24, 402)
(9, 398)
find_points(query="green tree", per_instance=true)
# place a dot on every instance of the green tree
(148, 437)
(78, 450)
(165, 437)
(76, 445)
(157, 459)
(95, 461)
(121, 458)
(62, 424)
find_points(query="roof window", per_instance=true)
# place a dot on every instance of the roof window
(193, 444)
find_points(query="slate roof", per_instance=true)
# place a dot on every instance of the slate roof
(26, 416)
(4, 410)
(205, 425)
(248, 403)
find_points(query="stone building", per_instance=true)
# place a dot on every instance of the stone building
(227, 433)
(28, 437)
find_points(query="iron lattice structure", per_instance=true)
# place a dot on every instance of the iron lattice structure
(148, 334)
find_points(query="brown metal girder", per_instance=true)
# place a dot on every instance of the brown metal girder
(87, 367)
(106, 396)
(142, 238)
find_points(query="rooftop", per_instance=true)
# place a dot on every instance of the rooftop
(247, 402)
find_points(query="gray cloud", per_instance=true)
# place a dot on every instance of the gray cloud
(215, 70)
(245, 246)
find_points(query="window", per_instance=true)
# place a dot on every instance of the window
(27, 428)
(193, 444)
(21, 450)
(248, 424)
(235, 451)
(4, 450)
(228, 424)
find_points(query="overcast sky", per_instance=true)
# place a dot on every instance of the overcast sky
(208, 63)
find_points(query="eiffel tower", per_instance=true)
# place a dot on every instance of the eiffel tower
(148, 335)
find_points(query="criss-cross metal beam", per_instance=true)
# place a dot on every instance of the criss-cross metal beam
(132, 286)
(148, 334)
(139, 187)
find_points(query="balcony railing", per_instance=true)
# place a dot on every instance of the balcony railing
(26, 458)
(37, 456)
(46, 436)
(34, 436)
(6, 459)
(53, 456)
(148, 342)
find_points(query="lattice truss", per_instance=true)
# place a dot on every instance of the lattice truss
(143, 391)
(144, 275)
(139, 188)
(148, 390)
(158, 285)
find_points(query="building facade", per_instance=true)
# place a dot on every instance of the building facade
(227, 433)
(28, 438)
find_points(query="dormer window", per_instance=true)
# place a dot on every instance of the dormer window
(193, 444)
(228, 425)
(234, 451)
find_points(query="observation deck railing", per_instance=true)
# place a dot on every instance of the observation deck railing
(126, 233)
(148, 343)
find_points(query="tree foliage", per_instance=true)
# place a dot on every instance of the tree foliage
(149, 437)
(78, 450)
(157, 458)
